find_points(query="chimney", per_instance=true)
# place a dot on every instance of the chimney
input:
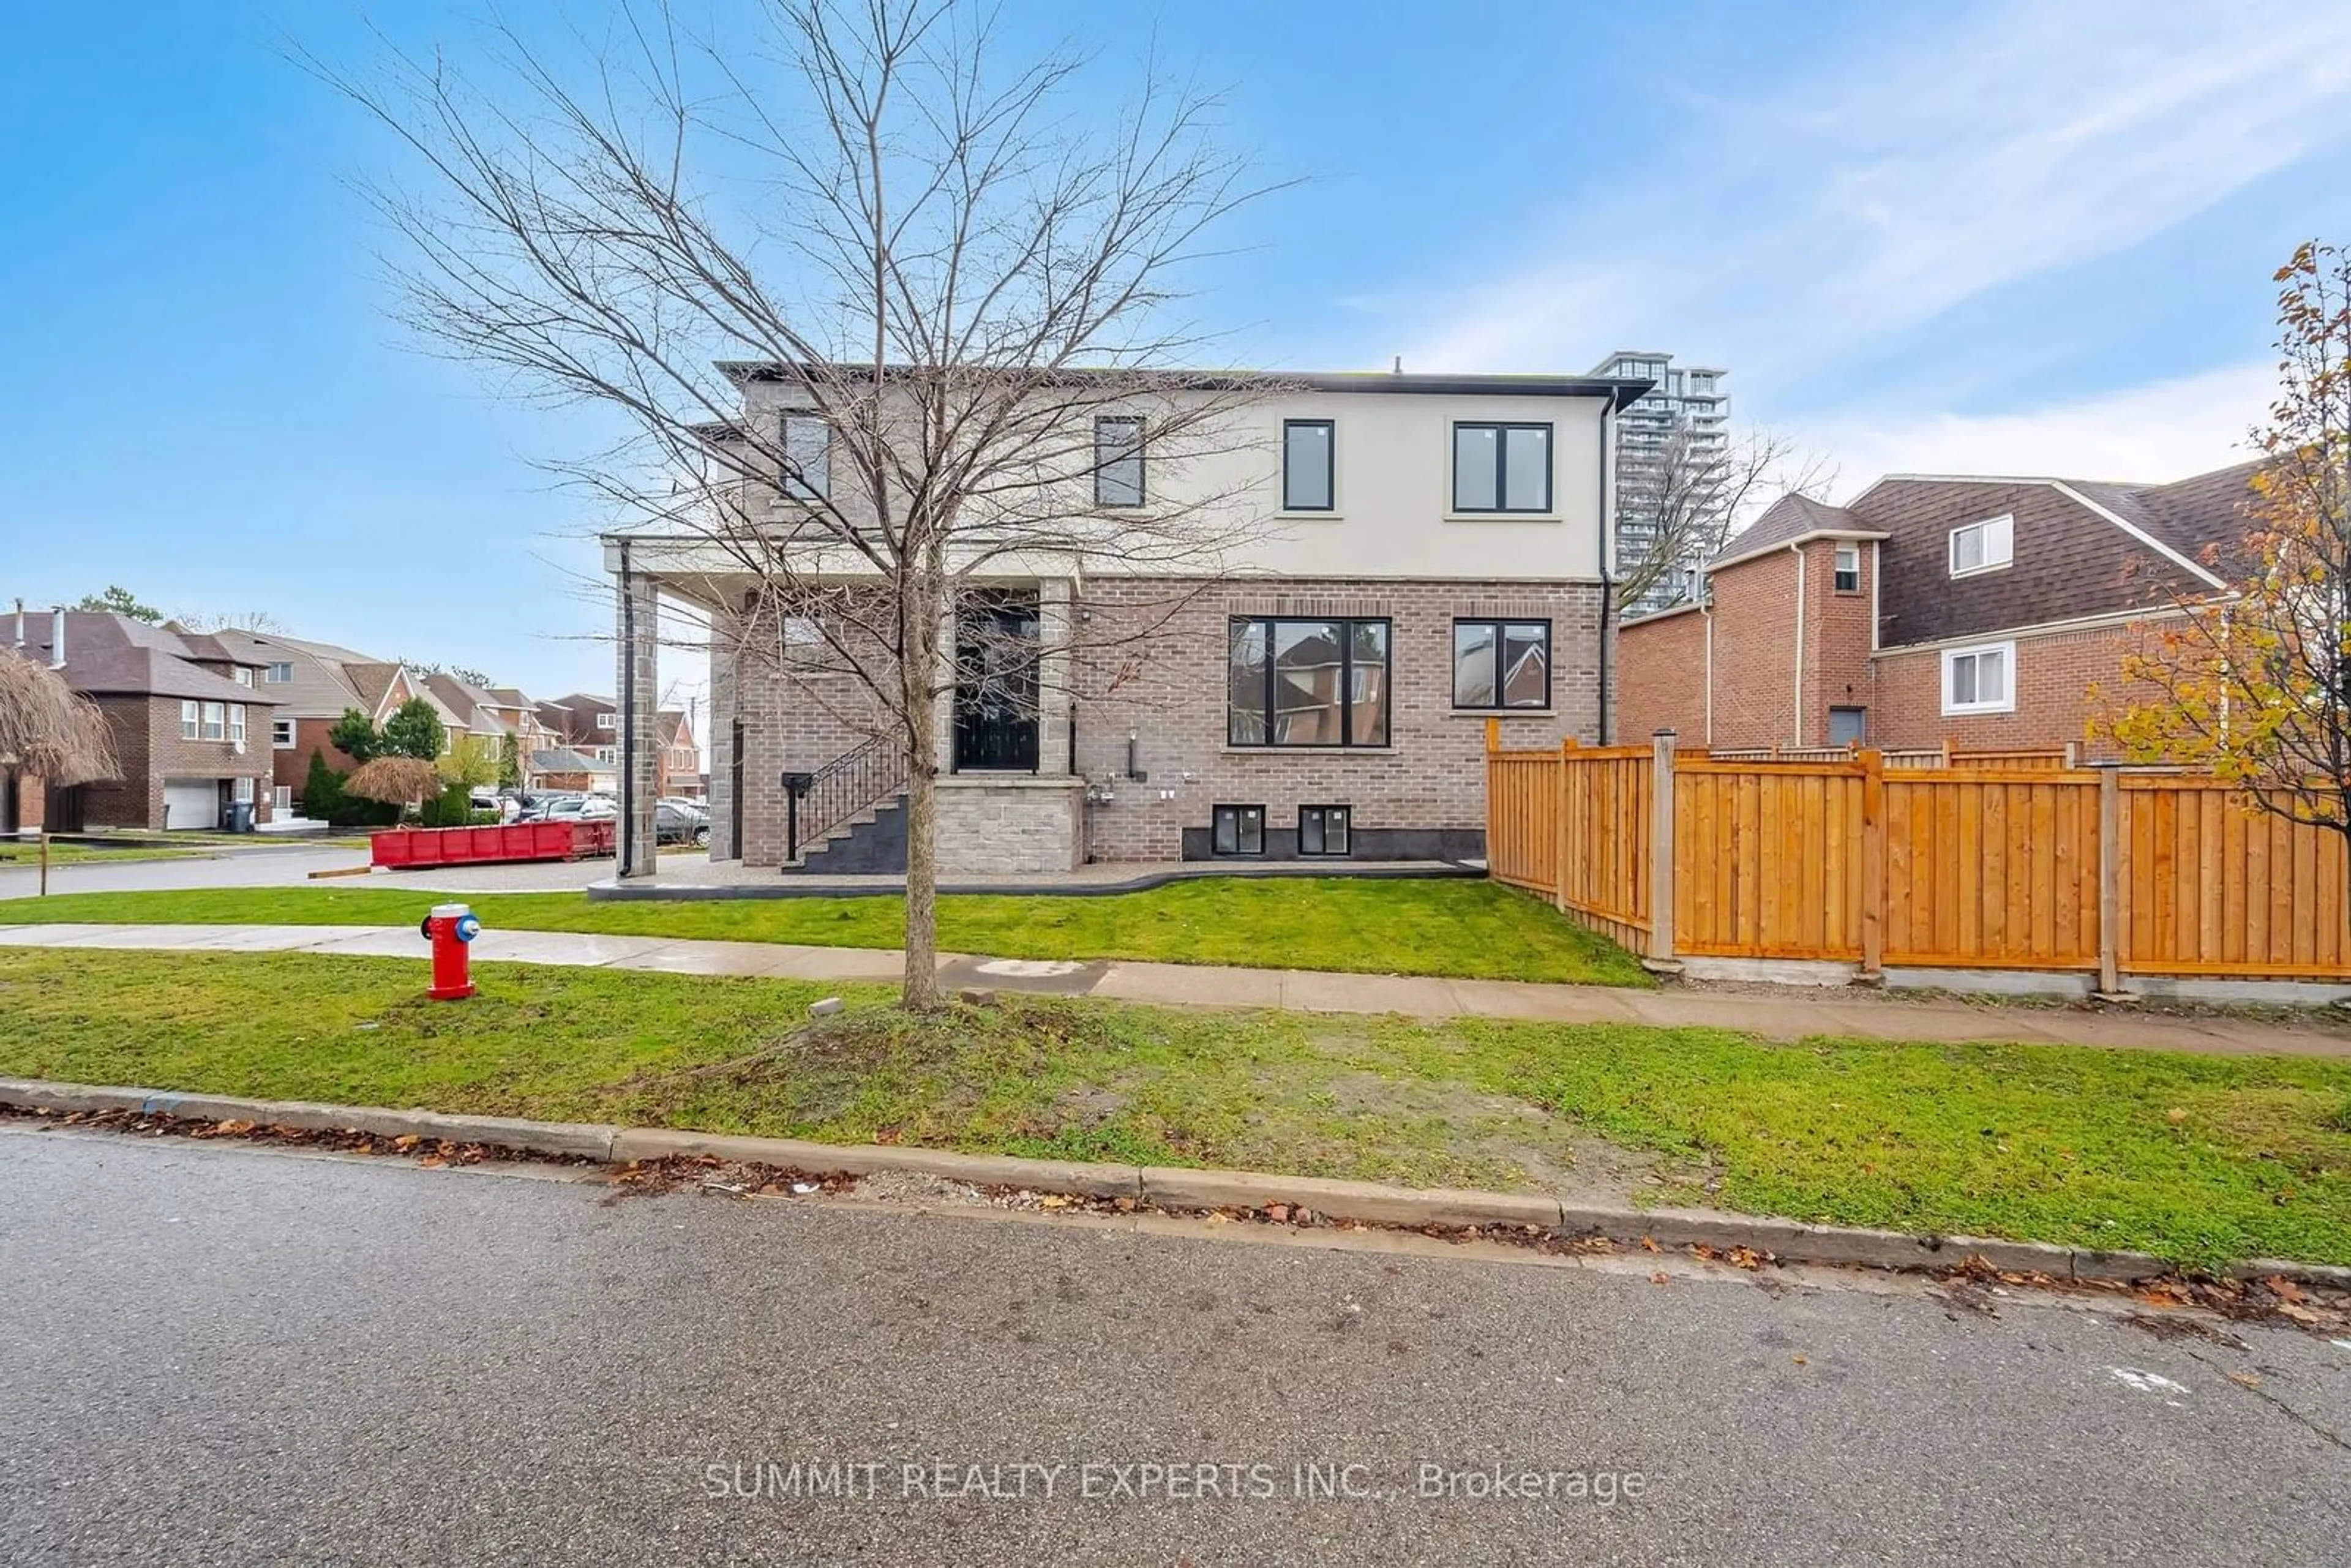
(58, 637)
(20, 621)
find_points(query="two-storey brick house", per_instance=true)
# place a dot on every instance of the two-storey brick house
(188, 721)
(1977, 611)
(1426, 552)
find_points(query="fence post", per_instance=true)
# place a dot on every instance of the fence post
(1559, 828)
(1872, 863)
(1493, 736)
(1661, 849)
(2110, 861)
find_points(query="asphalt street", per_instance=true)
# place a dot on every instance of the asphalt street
(227, 1355)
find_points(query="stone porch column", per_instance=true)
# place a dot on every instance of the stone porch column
(1056, 673)
(637, 625)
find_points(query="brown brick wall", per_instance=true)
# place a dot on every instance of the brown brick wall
(148, 745)
(292, 768)
(1660, 682)
(2054, 674)
(1837, 671)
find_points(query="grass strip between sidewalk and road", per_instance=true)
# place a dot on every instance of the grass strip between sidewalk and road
(1458, 928)
(2201, 1160)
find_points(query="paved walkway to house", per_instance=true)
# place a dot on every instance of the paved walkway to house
(1784, 1016)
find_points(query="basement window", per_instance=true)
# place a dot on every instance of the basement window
(1237, 831)
(1322, 830)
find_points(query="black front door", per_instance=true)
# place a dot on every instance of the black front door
(996, 685)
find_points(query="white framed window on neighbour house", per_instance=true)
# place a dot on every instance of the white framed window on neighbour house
(237, 722)
(281, 734)
(242, 791)
(1848, 568)
(278, 675)
(1986, 546)
(1981, 679)
(215, 721)
(281, 800)
(188, 720)
(603, 721)
(242, 676)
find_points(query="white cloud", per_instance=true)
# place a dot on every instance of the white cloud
(2152, 434)
(1900, 178)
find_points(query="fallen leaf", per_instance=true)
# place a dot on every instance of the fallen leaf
(1801, 1362)
(231, 1128)
(2244, 1380)
(431, 1162)
(1649, 1244)
(406, 1142)
(1658, 1278)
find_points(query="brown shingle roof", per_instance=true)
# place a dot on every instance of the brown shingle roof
(1790, 517)
(116, 655)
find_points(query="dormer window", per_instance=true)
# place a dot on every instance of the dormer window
(1986, 546)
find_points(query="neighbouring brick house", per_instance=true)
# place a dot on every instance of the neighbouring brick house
(1425, 553)
(189, 725)
(1981, 611)
(312, 685)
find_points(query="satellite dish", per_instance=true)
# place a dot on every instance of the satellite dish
(236, 747)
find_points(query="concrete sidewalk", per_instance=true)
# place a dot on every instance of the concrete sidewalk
(1789, 1016)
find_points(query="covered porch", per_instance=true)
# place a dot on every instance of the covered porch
(807, 771)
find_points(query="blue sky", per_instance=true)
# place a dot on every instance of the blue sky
(1949, 237)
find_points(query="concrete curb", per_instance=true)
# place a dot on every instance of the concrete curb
(1369, 1203)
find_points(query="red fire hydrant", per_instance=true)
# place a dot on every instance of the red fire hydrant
(451, 928)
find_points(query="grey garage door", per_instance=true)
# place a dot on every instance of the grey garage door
(191, 803)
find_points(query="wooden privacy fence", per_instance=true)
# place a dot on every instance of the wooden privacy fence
(2003, 861)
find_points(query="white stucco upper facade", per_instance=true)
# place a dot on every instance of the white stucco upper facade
(1399, 505)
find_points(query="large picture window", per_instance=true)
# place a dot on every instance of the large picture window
(1307, 683)
(1501, 467)
(1502, 664)
(1118, 461)
(1308, 474)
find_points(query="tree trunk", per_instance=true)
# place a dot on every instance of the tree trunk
(916, 677)
(921, 992)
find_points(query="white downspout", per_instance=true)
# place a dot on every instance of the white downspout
(1796, 547)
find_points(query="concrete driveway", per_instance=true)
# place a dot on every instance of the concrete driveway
(223, 1355)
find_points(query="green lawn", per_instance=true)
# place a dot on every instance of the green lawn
(1460, 928)
(2200, 1159)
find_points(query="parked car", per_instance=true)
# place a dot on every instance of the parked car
(676, 824)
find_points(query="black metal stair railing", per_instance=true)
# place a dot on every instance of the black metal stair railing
(816, 803)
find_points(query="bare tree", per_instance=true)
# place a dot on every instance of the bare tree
(260, 622)
(877, 325)
(1678, 504)
(47, 729)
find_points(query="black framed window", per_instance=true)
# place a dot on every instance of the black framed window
(1307, 683)
(1501, 467)
(808, 456)
(1322, 830)
(1118, 461)
(1502, 664)
(1237, 830)
(1309, 466)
